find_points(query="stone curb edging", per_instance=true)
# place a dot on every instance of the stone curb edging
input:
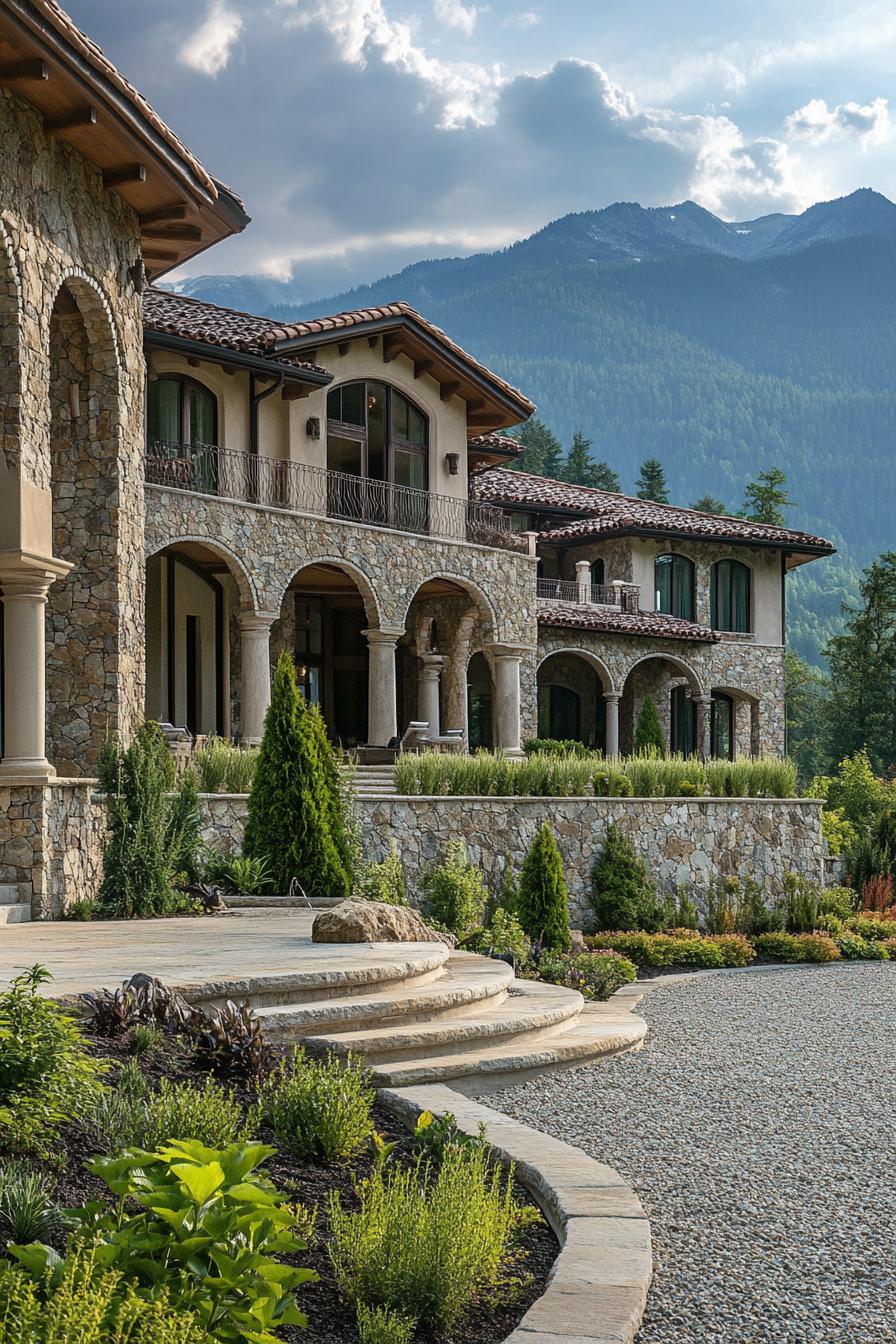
(597, 1287)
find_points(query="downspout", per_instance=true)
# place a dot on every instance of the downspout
(255, 400)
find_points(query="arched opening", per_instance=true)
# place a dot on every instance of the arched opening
(322, 622)
(674, 586)
(377, 438)
(86, 686)
(193, 604)
(674, 689)
(571, 703)
(480, 704)
(731, 597)
(735, 723)
(447, 621)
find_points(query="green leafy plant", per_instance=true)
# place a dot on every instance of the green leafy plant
(649, 737)
(854, 948)
(595, 974)
(207, 1234)
(543, 902)
(875, 927)
(139, 1001)
(435, 1135)
(384, 881)
(623, 896)
(380, 1325)
(230, 1040)
(555, 746)
(47, 1075)
(134, 1117)
(503, 936)
(238, 872)
(222, 767)
(296, 816)
(679, 911)
(688, 949)
(791, 947)
(801, 904)
(454, 893)
(319, 1109)
(28, 1211)
(425, 1240)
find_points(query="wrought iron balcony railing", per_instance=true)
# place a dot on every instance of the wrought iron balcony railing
(622, 596)
(208, 470)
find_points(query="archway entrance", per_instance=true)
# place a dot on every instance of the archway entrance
(447, 622)
(323, 619)
(571, 705)
(674, 689)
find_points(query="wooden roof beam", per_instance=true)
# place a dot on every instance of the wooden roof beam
(392, 347)
(159, 254)
(484, 421)
(296, 391)
(450, 390)
(12, 72)
(422, 366)
(120, 177)
(189, 233)
(164, 215)
(82, 116)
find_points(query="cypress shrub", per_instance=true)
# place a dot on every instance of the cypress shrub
(542, 903)
(649, 738)
(293, 808)
(622, 894)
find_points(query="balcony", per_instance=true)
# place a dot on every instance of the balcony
(205, 469)
(620, 596)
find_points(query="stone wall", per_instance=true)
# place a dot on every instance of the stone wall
(685, 841)
(51, 843)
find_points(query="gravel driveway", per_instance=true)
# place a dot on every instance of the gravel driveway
(758, 1125)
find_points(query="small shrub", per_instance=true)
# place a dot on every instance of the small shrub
(663, 950)
(649, 737)
(27, 1209)
(425, 1241)
(139, 1001)
(380, 1325)
(222, 767)
(543, 903)
(238, 872)
(854, 948)
(801, 904)
(435, 1135)
(555, 746)
(838, 901)
(454, 893)
(622, 894)
(792, 947)
(207, 1113)
(229, 1040)
(146, 1040)
(384, 881)
(596, 975)
(878, 896)
(319, 1109)
(736, 949)
(679, 911)
(839, 834)
(873, 927)
(503, 936)
(47, 1076)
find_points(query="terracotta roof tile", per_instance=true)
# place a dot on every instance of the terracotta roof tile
(500, 443)
(195, 320)
(608, 621)
(607, 513)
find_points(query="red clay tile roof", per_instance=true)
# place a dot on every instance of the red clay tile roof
(608, 514)
(500, 443)
(195, 320)
(652, 623)
(56, 16)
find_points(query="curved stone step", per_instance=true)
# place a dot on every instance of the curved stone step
(533, 1012)
(468, 983)
(602, 1029)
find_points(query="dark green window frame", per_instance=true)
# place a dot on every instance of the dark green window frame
(731, 597)
(675, 586)
(186, 387)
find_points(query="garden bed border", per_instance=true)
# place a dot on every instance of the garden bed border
(598, 1285)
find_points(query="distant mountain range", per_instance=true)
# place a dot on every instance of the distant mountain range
(722, 349)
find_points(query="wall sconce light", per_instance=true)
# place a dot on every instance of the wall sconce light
(74, 400)
(137, 272)
(312, 426)
(453, 461)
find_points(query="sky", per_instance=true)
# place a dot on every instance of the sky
(364, 135)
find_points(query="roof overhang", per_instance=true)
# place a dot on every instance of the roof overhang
(797, 553)
(83, 101)
(236, 359)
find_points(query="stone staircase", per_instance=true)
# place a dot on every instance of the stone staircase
(12, 909)
(422, 1015)
(374, 781)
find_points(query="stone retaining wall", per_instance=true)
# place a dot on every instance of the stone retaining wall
(685, 841)
(51, 843)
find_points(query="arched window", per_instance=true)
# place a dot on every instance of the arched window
(722, 741)
(683, 735)
(730, 596)
(597, 573)
(181, 412)
(674, 585)
(376, 433)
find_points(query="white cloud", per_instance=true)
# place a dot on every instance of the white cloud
(208, 49)
(869, 123)
(456, 15)
(527, 18)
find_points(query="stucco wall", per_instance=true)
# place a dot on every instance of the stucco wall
(683, 840)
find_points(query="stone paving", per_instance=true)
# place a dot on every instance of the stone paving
(758, 1127)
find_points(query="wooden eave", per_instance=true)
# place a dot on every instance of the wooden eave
(80, 106)
(298, 382)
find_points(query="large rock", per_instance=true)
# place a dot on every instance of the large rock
(374, 922)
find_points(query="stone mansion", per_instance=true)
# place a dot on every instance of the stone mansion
(185, 491)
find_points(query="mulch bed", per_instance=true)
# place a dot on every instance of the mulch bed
(331, 1320)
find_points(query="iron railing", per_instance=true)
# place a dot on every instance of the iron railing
(622, 596)
(209, 470)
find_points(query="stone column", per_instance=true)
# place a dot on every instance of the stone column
(583, 581)
(255, 672)
(611, 699)
(704, 724)
(506, 662)
(428, 709)
(24, 662)
(382, 709)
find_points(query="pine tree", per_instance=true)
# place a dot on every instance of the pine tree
(765, 499)
(543, 903)
(605, 478)
(292, 806)
(544, 451)
(649, 737)
(805, 691)
(578, 468)
(651, 482)
(861, 711)
(621, 892)
(709, 504)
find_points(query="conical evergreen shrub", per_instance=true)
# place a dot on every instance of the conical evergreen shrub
(649, 737)
(622, 894)
(295, 818)
(542, 904)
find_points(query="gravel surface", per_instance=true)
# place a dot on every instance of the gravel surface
(758, 1126)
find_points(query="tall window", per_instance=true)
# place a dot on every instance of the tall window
(181, 411)
(559, 713)
(674, 584)
(375, 432)
(597, 573)
(684, 722)
(722, 745)
(730, 595)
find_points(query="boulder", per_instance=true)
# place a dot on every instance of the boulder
(374, 922)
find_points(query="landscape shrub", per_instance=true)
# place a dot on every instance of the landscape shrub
(543, 901)
(384, 881)
(611, 781)
(295, 817)
(801, 904)
(146, 1040)
(555, 746)
(207, 1232)
(454, 892)
(735, 948)
(622, 894)
(28, 1211)
(873, 927)
(662, 950)
(85, 1302)
(791, 947)
(679, 911)
(380, 1325)
(838, 901)
(854, 790)
(854, 948)
(48, 1078)
(223, 767)
(596, 975)
(319, 1109)
(650, 739)
(502, 936)
(133, 1116)
(229, 1040)
(238, 872)
(878, 897)
(153, 834)
(838, 833)
(425, 1240)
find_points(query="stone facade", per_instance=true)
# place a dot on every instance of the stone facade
(684, 841)
(51, 843)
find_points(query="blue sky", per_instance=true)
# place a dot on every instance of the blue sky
(366, 134)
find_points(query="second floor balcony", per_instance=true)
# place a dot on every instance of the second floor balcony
(620, 596)
(300, 488)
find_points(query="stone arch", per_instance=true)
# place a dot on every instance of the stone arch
(360, 577)
(238, 572)
(682, 667)
(478, 595)
(592, 659)
(661, 675)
